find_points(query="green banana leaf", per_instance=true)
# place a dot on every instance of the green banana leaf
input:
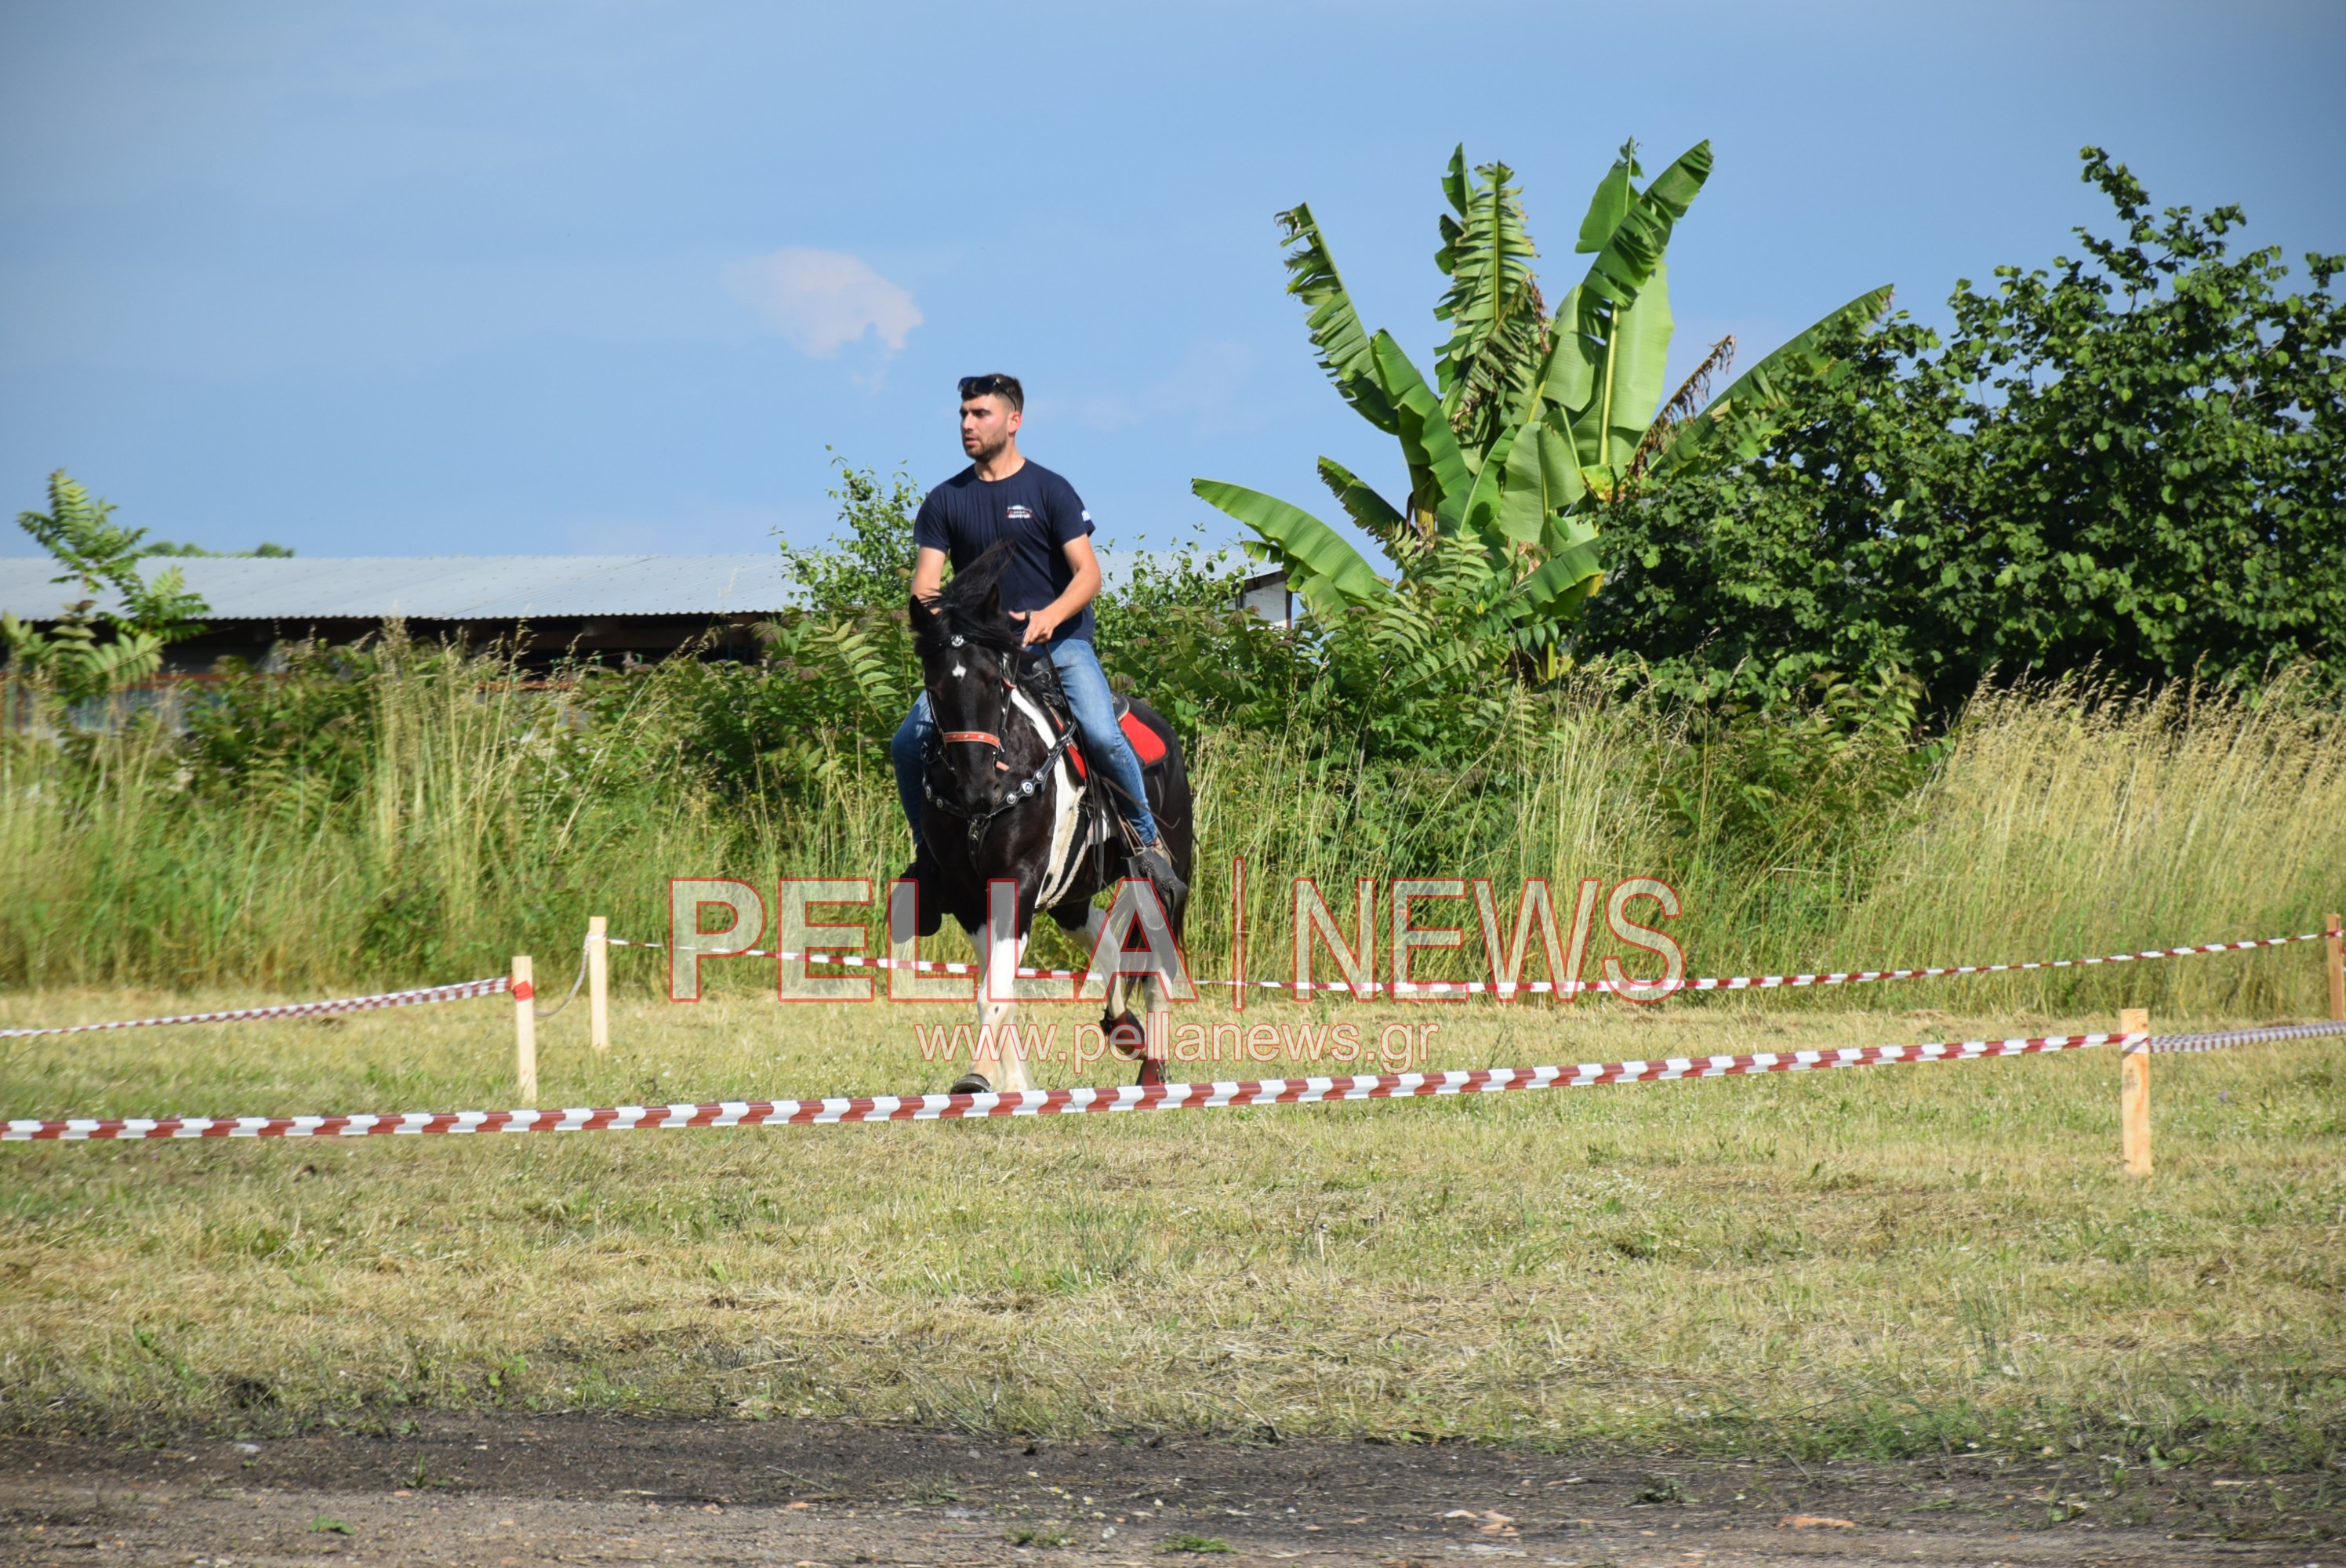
(1453, 181)
(1636, 246)
(1493, 303)
(1327, 571)
(1632, 255)
(1640, 346)
(1567, 379)
(1610, 204)
(1377, 517)
(1334, 325)
(1739, 420)
(1483, 503)
(1453, 185)
(1567, 532)
(1562, 584)
(1542, 478)
(1535, 611)
(1439, 478)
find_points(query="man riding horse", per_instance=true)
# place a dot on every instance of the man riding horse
(1048, 577)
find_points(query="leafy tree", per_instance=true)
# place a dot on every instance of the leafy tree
(92, 651)
(869, 567)
(2132, 460)
(1538, 421)
(262, 551)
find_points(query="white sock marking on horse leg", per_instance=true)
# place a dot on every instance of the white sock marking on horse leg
(1003, 952)
(982, 1053)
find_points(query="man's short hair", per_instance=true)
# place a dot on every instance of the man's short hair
(1007, 388)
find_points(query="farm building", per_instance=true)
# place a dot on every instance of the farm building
(613, 607)
(616, 607)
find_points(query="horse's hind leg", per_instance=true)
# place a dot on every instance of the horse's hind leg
(1095, 925)
(1117, 1022)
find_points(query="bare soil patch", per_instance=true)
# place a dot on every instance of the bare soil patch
(513, 1490)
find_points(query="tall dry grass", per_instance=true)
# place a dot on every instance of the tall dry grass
(487, 819)
(2069, 822)
(1579, 803)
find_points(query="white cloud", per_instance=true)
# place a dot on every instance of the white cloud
(821, 299)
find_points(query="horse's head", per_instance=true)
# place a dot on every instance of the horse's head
(971, 652)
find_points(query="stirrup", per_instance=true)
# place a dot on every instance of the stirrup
(1156, 865)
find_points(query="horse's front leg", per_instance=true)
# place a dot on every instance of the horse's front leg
(999, 1058)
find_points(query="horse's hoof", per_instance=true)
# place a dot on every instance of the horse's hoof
(970, 1083)
(1126, 1037)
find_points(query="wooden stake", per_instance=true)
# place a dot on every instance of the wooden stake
(598, 985)
(525, 995)
(2337, 946)
(1238, 933)
(2133, 1094)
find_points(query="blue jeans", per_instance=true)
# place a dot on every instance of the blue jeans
(1106, 750)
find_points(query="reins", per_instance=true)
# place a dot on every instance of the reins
(980, 821)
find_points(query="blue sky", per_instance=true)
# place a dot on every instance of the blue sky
(416, 279)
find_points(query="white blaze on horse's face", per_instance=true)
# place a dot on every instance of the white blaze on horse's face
(959, 671)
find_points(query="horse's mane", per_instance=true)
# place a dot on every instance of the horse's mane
(961, 606)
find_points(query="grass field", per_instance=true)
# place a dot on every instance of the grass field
(1885, 1261)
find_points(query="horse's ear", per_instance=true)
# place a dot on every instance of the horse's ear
(993, 605)
(922, 612)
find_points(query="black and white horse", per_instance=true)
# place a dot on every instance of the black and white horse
(1003, 802)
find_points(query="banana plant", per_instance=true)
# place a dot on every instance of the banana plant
(1535, 421)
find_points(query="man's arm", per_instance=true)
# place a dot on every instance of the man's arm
(928, 573)
(1041, 625)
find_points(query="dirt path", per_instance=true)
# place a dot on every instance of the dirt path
(508, 1492)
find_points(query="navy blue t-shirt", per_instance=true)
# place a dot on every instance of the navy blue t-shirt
(1035, 509)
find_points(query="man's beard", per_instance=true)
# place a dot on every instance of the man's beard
(985, 453)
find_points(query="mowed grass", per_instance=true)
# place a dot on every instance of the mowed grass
(1882, 1261)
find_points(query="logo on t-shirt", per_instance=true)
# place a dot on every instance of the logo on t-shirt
(1019, 514)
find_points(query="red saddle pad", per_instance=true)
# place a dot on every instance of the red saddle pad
(1144, 741)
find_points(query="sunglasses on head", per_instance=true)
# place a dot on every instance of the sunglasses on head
(986, 386)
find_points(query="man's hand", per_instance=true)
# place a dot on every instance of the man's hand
(1041, 625)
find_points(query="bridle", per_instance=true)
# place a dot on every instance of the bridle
(979, 821)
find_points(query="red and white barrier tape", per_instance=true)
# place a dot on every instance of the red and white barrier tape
(1128, 1097)
(2222, 1041)
(1542, 987)
(1045, 1101)
(464, 990)
(459, 991)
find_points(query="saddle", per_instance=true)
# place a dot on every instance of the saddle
(1147, 746)
(1102, 832)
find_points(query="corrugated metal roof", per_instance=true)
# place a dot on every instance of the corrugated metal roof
(440, 588)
